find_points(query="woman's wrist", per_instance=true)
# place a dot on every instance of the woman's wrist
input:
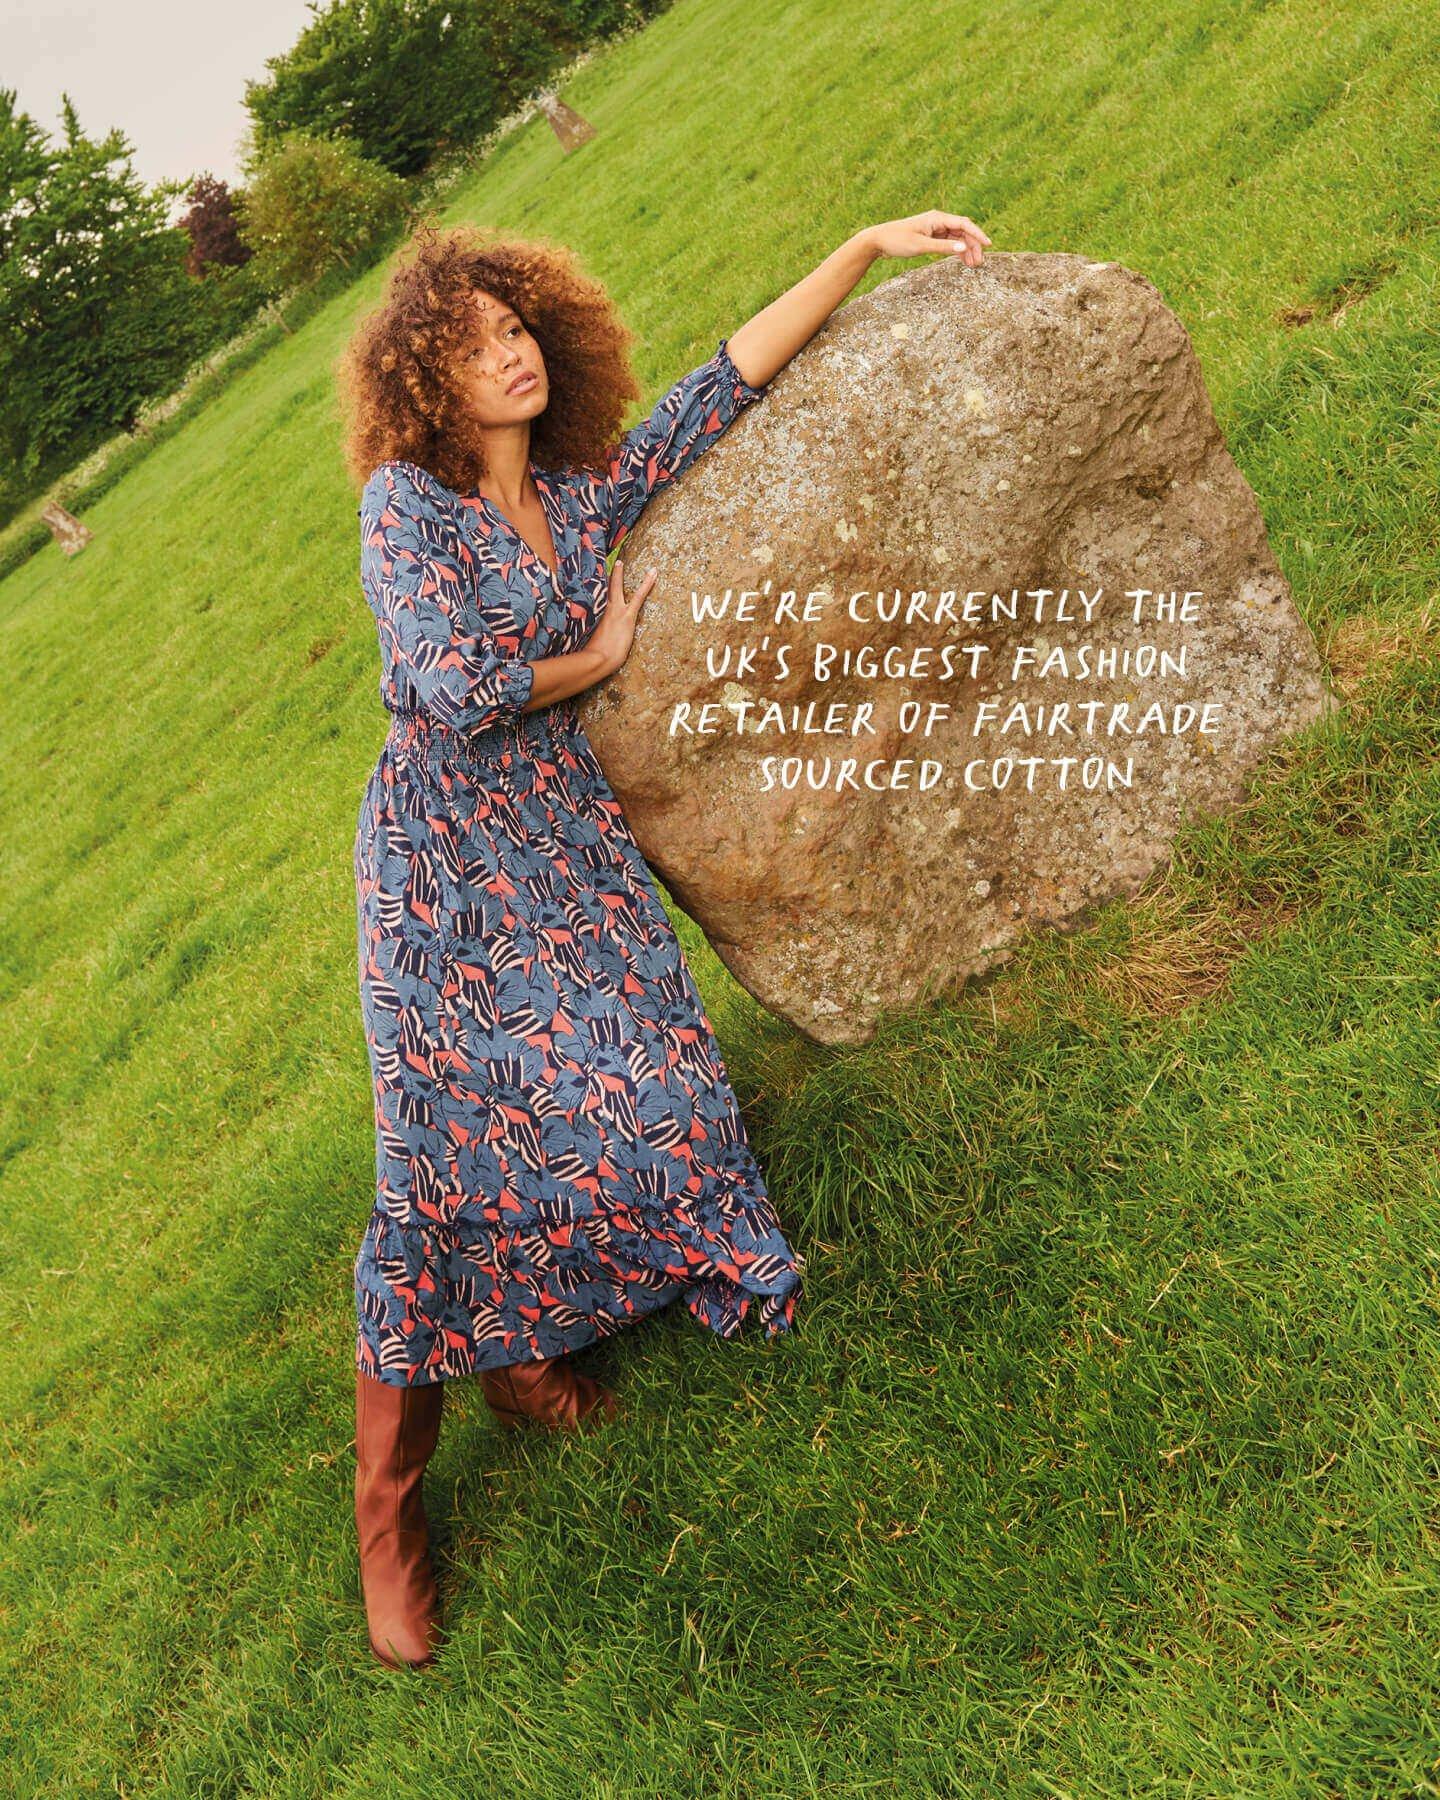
(864, 244)
(603, 664)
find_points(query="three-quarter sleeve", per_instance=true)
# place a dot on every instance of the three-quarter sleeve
(684, 422)
(414, 566)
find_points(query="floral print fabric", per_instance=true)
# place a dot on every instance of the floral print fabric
(558, 1148)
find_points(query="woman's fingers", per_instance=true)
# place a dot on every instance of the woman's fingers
(950, 234)
(953, 225)
(617, 582)
(966, 247)
(929, 233)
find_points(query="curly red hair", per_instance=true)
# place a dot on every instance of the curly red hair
(397, 374)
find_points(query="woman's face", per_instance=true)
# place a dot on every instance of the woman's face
(501, 354)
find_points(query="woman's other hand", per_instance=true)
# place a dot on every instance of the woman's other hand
(926, 233)
(615, 633)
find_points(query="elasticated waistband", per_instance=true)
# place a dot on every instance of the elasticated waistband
(423, 739)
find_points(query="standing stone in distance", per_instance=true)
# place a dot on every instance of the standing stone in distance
(68, 532)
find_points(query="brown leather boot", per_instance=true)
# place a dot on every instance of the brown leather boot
(396, 1431)
(550, 1392)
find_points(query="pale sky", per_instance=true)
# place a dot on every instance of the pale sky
(170, 74)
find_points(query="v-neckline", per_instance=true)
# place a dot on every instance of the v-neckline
(542, 487)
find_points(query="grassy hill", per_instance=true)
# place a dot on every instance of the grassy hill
(1103, 1459)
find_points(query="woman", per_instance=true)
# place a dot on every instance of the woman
(559, 1151)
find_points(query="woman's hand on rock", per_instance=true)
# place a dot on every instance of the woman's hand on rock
(926, 233)
(615, 633)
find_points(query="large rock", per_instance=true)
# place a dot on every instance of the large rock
(1037, 423)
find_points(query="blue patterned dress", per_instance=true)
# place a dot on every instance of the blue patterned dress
(558, 1148)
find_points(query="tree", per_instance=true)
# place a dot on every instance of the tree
(25, 160)
(213, 227)
(405, 79)
(97, 313)
(312, 202)
(393, 77)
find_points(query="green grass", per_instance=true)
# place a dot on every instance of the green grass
(1103, 1459)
